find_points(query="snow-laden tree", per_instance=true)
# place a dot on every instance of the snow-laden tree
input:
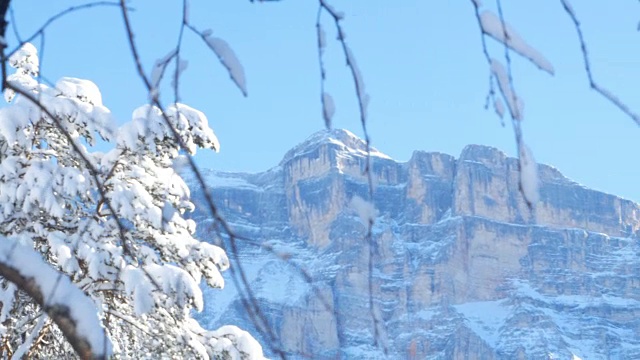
(108, 225)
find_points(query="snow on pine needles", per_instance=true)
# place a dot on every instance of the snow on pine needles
(110, 226)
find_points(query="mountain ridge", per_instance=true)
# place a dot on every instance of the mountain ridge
(337, 137)
(463, 268)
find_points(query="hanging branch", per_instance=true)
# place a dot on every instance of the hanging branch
(56, 17)
(328, 110)
(604, 92)
(249, 300)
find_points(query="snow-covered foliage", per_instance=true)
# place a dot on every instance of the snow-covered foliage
(113, 223)
(58, 295)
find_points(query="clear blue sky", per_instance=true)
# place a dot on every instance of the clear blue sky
(421, 61)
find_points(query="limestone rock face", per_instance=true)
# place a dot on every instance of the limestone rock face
(462, 268)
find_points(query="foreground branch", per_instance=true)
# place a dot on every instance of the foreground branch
(587, 67)
(34, 278)
(238, 276)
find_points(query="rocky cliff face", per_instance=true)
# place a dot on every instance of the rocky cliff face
(462, 267)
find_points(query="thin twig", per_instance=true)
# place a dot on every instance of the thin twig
(587, 68)
(4, 7)
(251, 302)
(56, 17)
(515, 112)
(323, 74)
(363, 100)
(516, 115)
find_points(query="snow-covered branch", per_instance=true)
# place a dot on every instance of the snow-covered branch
(70, 10)
(239, 276)
(69, 308)
(496, 27)
(328, 109)
(137, 259)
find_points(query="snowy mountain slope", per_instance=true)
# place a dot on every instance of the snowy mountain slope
(463, 268)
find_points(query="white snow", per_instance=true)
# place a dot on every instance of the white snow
(486, 318)
(571, 313)
(148, 126)
(241, 340)
(14, 120)
(193, 125)
(575, 302)
(528, 174)
(363, 97)
(84, 90)
(26, 60)
(514, 103)
(358, 151)
(328, 108)
(51, 194)
(57, 290)
(278, 284)
(499, 107)
(322, 38)
(206, 32)
(28, 343)
(229, 60)
(492, 26)
(348, 142)
(159, 67)
(219, 180)
(365, 209)
(182, 66)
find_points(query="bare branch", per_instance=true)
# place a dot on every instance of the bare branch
(363, 98)
(505, 81)
(56, 17)
(249, 300)
(324, 97)
(587, 67)
(363, 102)
(4, 6)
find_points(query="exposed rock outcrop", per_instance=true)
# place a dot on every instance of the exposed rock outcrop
(463, 268)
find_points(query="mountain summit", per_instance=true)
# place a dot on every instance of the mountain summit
(462, 267)
(337, 140)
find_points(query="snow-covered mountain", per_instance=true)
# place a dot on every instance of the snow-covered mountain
(463, 268)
